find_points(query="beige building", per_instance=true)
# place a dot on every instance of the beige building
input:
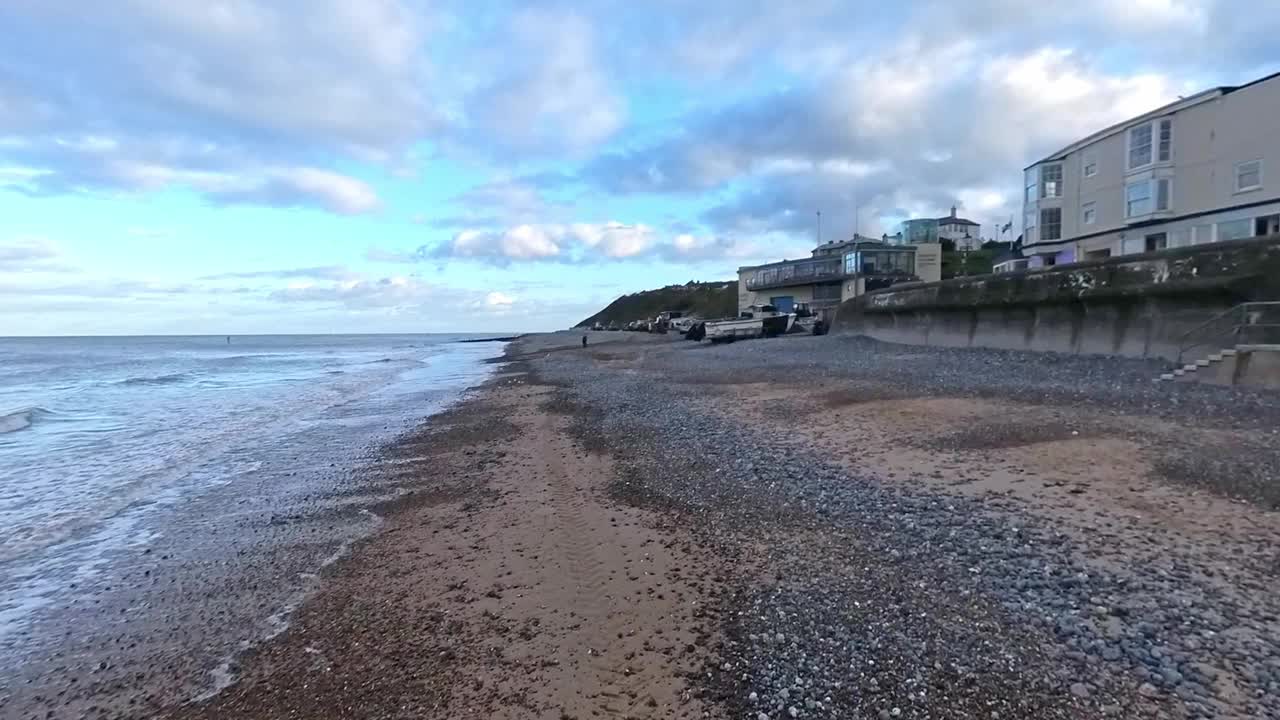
(1203, 169)
(836, 272)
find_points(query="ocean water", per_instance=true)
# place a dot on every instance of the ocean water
(136, 471)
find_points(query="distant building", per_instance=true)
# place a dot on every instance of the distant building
(837, 271)
(1191, 172)
(965, 233)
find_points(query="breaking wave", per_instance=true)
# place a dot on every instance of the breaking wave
(20, 419)
(155, 380)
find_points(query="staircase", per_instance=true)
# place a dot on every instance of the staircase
(1249, 334)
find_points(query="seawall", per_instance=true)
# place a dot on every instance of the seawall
(1136, 306)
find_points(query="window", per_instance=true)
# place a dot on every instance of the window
(1139, 146)
(1165, 153)
(1162, 194)
(1201, 234)
(1234, 229)
(1051, 224)
(1266, 225)
(1102, 254)
(1089, 213)
(826, 292)
(1051, 181)
(1029, 220)
(1156, 241)
(1137, 198)
(1030, 180)
(1090, 164)
(851, 262)
(1248, 175)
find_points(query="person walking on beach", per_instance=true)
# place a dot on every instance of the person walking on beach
(584, 341)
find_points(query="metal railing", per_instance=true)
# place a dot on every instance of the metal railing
(1245, 324)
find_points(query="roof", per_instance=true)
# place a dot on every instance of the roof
(949, 220)
(1175, 106)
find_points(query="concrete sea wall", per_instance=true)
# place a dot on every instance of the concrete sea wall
(1137, 306)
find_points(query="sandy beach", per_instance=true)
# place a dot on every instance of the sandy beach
(803, 527)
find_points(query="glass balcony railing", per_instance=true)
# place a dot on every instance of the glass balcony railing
(795, 273)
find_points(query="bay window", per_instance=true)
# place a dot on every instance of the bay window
(1140, 146)
(1150, 142)
(1165, 151)
(1051, 181)
(1143, 197)
(1051, 224)
(1137, 198)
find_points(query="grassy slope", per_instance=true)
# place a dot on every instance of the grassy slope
(707, 300)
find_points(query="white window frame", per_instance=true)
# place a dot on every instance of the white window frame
(1044, 224)
(1031, 185)
(1089, 213)
(1163, 154)
(1128, 146)
(1248, 223)
(1090, 164)
(1236, 176)
(1044, 187)
(1153, 196)
(1149, 199)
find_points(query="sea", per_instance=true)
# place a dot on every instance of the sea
(166, 502)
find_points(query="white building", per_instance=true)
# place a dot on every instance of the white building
(1191, 172)
(965, 233)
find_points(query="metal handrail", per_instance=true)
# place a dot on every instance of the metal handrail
(1242, 311)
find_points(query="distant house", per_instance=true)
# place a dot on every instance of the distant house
(837, 271)
(1191, 172)
(965, 233)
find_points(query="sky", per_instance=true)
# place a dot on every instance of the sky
(316, 166)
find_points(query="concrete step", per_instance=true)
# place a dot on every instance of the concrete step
(1202, 363)
(1180, 372)
(1229, 352)
(1216, 357)
(1165, 376)
(1190, 367)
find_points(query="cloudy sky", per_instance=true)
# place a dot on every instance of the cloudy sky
(237, 166)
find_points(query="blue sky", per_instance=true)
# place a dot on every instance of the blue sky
(268, 166)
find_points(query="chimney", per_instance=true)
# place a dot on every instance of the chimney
(953, 212)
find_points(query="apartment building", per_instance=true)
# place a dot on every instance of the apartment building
(1203, 169)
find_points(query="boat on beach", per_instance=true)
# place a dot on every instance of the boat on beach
(757, 321)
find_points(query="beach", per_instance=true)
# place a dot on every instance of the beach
(817, 527)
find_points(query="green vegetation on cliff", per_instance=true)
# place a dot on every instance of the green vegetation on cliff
(706, 300)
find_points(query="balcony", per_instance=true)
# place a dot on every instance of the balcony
(798, 272)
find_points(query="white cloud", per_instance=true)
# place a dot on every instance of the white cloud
(32, 255)
(523, 242)
(556, 97)
(497, 299)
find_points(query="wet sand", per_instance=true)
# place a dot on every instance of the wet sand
(505, 584)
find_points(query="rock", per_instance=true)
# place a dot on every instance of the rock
(1080, 690)
(1148, 690)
